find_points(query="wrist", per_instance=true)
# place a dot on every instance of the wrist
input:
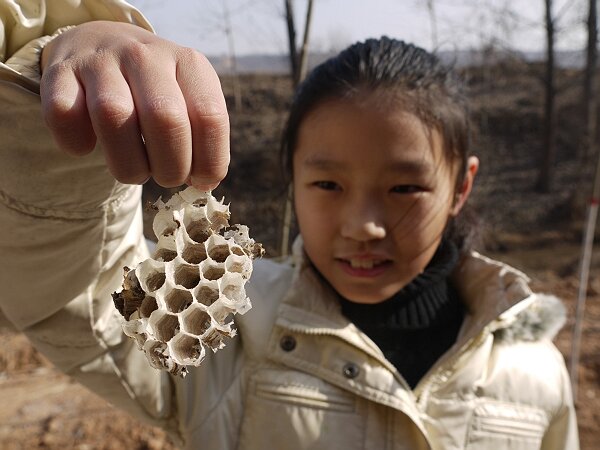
(28, 61)
(46, 42)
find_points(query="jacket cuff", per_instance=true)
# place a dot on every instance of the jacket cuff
(26, 61)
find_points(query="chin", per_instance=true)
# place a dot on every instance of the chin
(365, 297)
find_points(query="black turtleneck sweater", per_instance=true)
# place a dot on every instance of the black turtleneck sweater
(418, 324)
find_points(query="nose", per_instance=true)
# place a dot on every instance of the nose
(363, 222)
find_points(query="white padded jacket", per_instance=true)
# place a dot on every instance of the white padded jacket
(299, 376)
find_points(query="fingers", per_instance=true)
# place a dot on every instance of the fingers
(209, 120)
(115, 83)
(65, 112)
(114, 119)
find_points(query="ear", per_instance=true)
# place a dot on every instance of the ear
(463, 193)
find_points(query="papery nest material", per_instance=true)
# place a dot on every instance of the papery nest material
(183, 298)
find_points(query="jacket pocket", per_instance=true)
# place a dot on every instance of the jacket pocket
(504, 425)
(286, 409)
(306, 395)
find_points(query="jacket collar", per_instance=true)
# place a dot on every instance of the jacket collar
(493, 294)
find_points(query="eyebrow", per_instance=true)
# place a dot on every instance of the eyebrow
(418, 166)
(322, 163)
(319, 162)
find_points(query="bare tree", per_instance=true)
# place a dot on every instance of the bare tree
(298, 63)
(298, 58)
(433, 22)
(291, 29)
(237, 89)
(589, 89)
(592, 211)
(548, 151)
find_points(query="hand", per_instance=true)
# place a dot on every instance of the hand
(114, 83)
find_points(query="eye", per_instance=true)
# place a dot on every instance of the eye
(406, 189)
(327, 185)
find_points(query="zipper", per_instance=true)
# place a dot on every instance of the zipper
(331, 332)
(437, 372)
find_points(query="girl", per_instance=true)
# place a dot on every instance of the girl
(385, 331)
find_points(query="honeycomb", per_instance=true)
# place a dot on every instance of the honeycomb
(183, 298)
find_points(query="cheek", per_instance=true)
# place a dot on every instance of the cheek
(313, 219)
(421, 221)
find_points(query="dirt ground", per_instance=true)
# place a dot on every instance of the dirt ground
(538, 233)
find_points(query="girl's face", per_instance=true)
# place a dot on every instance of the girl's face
(373, 193)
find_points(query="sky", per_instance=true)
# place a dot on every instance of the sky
(258, 26)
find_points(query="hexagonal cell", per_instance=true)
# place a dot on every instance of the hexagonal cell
(197, 224)
(187, 276)
(217, 213)
(156, 352)
(237, 250)
(164, 326)
(148, 306)
(232, 287)
(164, 223)
(164, 254)
(151, 275)
(218, 248)
(196, 321)
(214, 338)
(218, 218)
(198, 232)
(212, 271)
(220, 310)
(178, 300)
(207, 293)
(166, 249)
(155, 281)
(185, 348)
(194, 196)
(194, 253)
(135, 329)
(239, 264)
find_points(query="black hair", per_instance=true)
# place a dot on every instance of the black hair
(421, 84)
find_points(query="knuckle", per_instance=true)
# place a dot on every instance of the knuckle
(191, 55)
(111, 110)
(166, 114)
(216, 125)
(216, 134)
(58, 108)
(137, 52)
(192, 58)
(210, 109)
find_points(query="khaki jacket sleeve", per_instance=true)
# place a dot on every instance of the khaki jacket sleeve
(562, 434)
(27, 25)
(67, 228)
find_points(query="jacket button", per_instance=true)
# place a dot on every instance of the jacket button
(287, 343)
(350, 370)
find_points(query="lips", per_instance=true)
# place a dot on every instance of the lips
(356, 263)
(364, 266)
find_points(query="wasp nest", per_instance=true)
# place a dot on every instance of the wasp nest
(181, 300)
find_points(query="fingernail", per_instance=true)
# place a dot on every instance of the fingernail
(201, 184)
